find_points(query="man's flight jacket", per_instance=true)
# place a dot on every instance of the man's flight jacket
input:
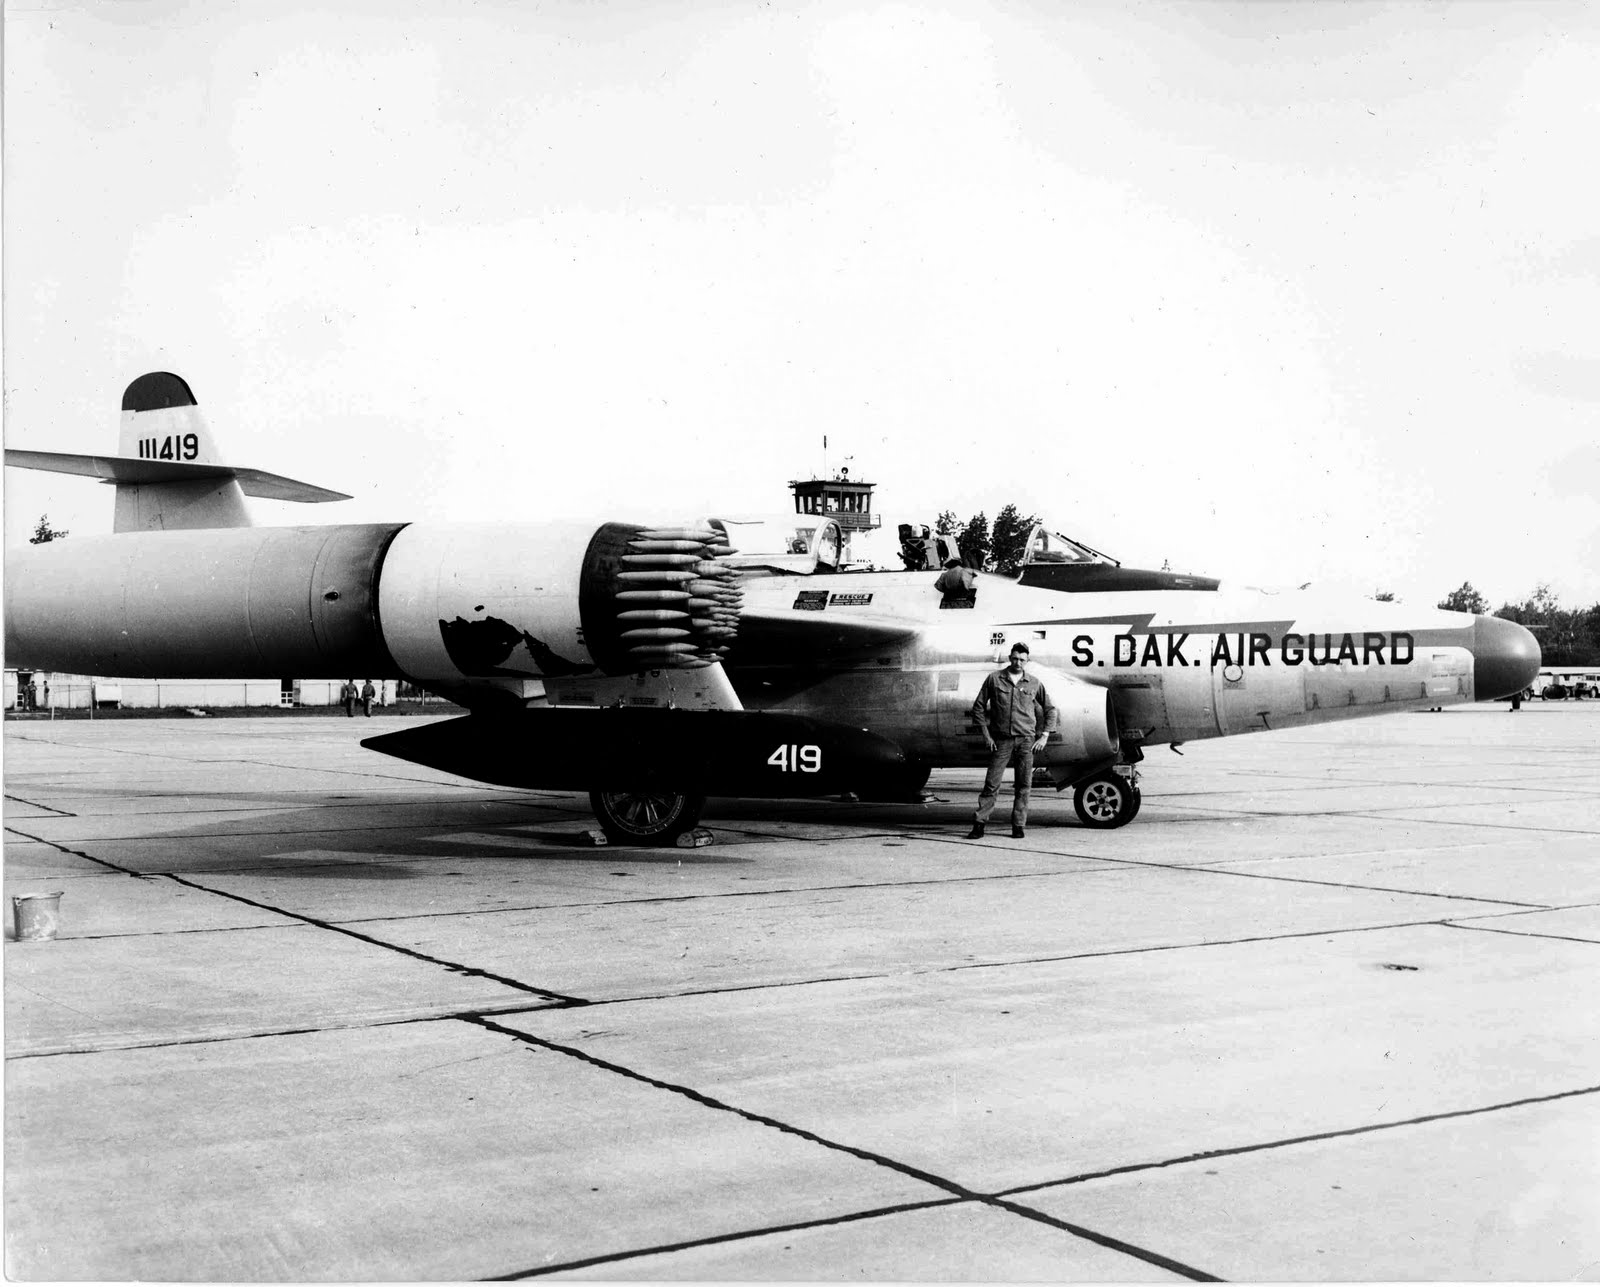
(1014, 710)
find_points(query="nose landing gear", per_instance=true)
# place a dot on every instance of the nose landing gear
(1108, 799)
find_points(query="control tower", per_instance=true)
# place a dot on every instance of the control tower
(841, 498)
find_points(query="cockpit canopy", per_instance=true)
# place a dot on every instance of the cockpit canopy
(803, 543)
(1045, 546)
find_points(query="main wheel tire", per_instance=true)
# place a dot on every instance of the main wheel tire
(645, 817)
(1105, 801)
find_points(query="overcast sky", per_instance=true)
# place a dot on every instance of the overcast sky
(1271, 292)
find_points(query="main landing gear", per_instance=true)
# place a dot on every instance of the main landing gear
(645, 817)
(1108, 799)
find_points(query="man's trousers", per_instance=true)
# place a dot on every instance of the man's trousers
(1016, 751)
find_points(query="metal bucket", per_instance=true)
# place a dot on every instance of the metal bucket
(38, 916)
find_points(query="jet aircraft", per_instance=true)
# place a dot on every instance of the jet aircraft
(655, 665)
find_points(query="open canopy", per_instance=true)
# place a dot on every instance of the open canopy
(1045, 546)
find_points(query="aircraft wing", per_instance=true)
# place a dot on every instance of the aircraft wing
(789, 637)
(132, 469)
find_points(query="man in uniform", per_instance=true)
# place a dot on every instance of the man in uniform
(957, 585)
(368, 692)
(1015, 715)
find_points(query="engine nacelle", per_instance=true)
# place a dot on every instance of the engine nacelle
(476, 602)
(1086, 721)
(225, 603)
(1086, 728)
(441, 604)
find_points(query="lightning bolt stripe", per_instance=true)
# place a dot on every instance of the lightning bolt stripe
(1140, 624)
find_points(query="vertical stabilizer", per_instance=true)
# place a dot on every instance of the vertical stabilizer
(161, 422)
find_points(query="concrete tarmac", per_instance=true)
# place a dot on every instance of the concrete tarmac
(1326, 1010)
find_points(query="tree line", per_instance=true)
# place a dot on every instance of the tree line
(1000, 547)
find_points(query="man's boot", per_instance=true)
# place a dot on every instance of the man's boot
(977, 831)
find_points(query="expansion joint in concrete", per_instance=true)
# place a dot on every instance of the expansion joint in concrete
(79, 853)
(466, 971)
(764, 1231)
(1495, 929)
(960, 1191)
(1296, 1140)
(34, 804)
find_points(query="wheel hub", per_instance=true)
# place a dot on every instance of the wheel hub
(644, 813)
(1102, 801)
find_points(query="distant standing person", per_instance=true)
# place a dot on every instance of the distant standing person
(347, 695)
(368, 692)
(1015, 715)
(958, 584)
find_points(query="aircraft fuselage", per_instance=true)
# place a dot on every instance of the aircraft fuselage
(655, 664)
(510, 618)
(1181, 665)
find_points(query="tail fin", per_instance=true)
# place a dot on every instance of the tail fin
(169, 474)
(161, 421)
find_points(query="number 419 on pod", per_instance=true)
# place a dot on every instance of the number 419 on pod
(794, 758)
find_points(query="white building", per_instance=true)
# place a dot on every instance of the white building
(68, 692)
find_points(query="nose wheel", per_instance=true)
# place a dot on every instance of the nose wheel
(1106, 800)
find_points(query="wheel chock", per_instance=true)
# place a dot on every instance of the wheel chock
(594, 838)
(695, 838)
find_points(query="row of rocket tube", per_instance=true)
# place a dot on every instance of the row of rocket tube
(678, 604)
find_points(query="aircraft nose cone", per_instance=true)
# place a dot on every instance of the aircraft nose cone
(1505, 658)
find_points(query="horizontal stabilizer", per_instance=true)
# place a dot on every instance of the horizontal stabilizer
(132, 469)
